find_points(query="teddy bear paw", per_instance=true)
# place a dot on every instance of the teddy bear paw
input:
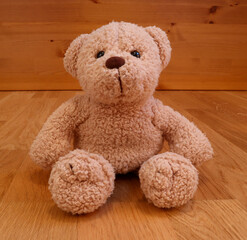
(168, 180)
(81, 182)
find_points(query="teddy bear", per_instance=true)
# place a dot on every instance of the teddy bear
(117, 126)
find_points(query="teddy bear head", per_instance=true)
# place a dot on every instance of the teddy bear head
(119, 62)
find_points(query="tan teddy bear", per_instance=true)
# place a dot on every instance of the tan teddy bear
(118, 126)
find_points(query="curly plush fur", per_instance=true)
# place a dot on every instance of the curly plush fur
(118, 126)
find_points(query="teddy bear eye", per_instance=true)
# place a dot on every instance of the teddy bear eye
(100, 54)
(136, 54)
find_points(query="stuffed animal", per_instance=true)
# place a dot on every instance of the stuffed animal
(117, 126)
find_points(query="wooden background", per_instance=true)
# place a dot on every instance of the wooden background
(209, 40)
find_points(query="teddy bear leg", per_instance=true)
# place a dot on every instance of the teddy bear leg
(168, 180)
(80, 182)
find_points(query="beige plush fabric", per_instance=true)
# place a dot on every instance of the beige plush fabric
(168, 180)
(81, 182)
(117, 125)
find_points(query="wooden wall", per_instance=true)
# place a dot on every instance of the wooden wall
(209, 39)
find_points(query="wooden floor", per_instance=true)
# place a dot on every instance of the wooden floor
(218, 210)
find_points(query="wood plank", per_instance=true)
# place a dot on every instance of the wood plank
(127, 10)
(210, 220)
(36, 220)
(8, 168)
(208, 40)
(126, 220)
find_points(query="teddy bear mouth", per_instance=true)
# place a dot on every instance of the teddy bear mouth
(120, 82)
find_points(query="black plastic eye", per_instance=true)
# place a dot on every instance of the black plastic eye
(100, 54)
(136, 54)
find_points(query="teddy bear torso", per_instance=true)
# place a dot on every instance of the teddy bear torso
(126, 137)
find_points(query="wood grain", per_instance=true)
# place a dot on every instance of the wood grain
(208, 40)
(218, 210)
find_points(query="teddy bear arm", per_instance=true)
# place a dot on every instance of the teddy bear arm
(183, 136)
(54, 139)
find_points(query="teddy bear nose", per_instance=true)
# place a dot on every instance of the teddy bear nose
(114, 62)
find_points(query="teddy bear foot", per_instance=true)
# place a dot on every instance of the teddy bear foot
(81, 182)
(168, 180)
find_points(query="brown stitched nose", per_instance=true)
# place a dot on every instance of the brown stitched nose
(114, 62)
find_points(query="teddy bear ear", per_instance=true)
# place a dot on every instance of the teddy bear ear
(163, 43)
(71, 55)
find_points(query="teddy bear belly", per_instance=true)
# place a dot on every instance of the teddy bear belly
(125, 148)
